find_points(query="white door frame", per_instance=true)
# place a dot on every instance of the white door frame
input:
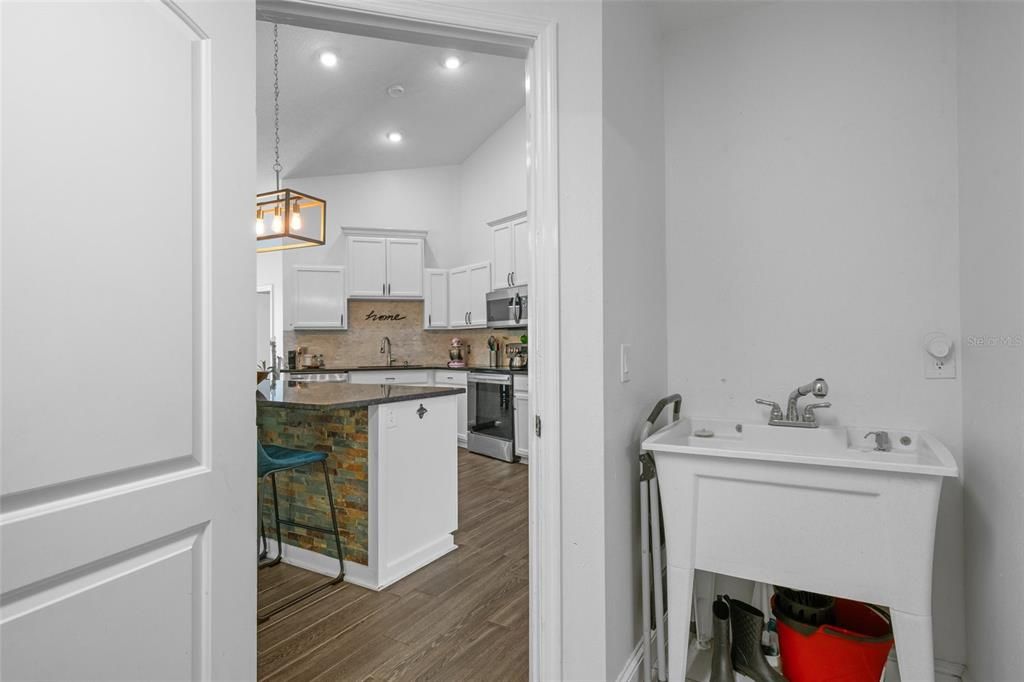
(535, 38)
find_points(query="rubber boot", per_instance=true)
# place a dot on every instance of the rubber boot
(747, 657)
(721, 645)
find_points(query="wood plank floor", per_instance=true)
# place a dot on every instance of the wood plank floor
(463, 617)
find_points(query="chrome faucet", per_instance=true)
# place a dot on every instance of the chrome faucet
(818, 388)
(385, 343)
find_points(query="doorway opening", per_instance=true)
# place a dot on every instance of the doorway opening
(492, 598)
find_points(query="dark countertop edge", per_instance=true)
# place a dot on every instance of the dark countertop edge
(435, 392)
(397, 368)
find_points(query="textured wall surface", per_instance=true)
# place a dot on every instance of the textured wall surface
(360, 345)
(342, 434)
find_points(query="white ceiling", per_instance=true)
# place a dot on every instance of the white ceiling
(334, 121)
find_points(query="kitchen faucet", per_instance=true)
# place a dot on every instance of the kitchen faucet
(386, 343)
(818, 388)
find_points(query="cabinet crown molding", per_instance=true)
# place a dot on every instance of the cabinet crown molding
(383, 232)
(506, 219)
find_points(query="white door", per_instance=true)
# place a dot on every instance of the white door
(520, 252)
(458, 297)
(503, 254)
(405, 268)
(435, 301)
(319, 297)
(479, 287)
(367, 267)
(127, 502)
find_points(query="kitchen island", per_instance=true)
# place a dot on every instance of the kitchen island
(392, 460)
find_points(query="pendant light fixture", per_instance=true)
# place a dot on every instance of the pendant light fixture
(292, 214)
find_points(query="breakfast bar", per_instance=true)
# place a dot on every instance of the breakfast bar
(392, 463)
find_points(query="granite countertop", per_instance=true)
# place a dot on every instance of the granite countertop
(395, 368)
(342, 395)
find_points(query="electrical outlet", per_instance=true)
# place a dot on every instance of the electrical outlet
(940, 368)
(624, 362)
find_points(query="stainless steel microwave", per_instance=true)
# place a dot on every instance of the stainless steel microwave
(507, 308)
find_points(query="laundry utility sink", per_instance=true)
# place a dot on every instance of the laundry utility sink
(912, 451)
(816, 509)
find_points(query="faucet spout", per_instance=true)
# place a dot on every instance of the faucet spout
(385, 347)
(818, 387)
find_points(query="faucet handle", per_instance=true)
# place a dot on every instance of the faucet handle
(776, 409)
(809, 415)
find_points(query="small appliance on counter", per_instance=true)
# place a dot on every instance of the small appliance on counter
(455, 353)
(517, 355)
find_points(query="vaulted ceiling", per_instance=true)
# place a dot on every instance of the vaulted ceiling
(335, 120)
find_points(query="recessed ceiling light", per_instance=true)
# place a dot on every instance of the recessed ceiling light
(329, 59)
(396, 90)
(452, 62)
(394, 136)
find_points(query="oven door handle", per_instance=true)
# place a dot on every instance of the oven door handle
(489, 379)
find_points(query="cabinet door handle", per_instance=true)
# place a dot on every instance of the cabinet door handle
(383, 288)
(513, 278)
(430, 320)
(343, 319)
(389, 288)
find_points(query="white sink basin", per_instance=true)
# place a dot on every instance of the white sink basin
(814, 509)
(912, 451)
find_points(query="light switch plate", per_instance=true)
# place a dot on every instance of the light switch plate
(625, 360)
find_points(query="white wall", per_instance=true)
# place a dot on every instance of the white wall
(269, 272)
(991, 120)
(493, 185)
(812, 222)
(411, 199)
(634, 296)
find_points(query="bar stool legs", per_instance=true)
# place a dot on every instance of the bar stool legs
(278, 522)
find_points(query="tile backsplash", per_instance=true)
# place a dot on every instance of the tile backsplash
(402, 322)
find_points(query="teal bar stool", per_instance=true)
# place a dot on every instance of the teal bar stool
(271, 460)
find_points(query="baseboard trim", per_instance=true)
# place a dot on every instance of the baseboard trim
(360, 574)
(357, 574)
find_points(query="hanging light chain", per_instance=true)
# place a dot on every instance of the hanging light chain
(277, 115)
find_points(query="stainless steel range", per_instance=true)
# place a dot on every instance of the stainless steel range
(491, 421)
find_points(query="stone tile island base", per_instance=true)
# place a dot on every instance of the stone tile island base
(393, 472)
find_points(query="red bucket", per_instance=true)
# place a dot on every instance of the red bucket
(855, 649)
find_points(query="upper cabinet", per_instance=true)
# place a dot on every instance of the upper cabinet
(511, 248)
(385, 263)
(319, 300)
(467, 295)
(435, 299)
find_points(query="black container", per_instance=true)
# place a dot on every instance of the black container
(291, 359)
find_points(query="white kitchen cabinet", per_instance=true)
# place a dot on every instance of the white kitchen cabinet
(405, 268)
(479, 287)
(454, 377)
(511, 251)
(368, 266)
(502, 256)
(468, 287)
(318, 300)
(385, 266)
(521, 412)
(399, 376)
(435, 299)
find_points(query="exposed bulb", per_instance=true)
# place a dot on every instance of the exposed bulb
(295, 221)
(277, 224)
(452, 63)
(261, 226)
